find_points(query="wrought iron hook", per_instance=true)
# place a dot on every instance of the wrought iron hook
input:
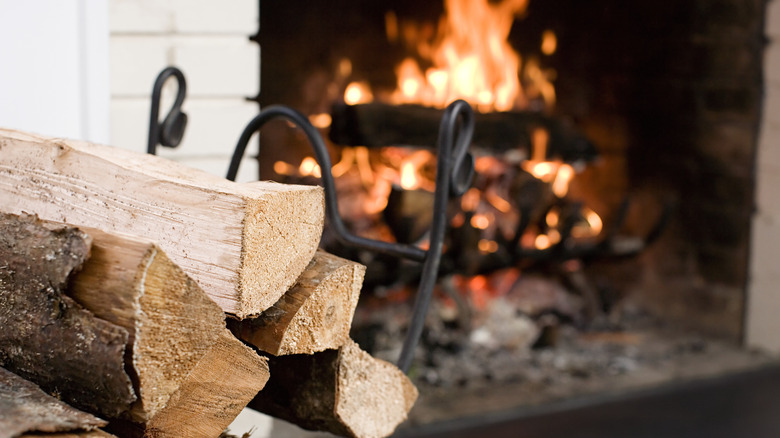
(168, 133)
(454, 171)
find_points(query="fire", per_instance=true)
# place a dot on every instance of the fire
(408, 176)
(467, 57)
(309, 166)
(358, 92)
(470, 58)
(549, 42)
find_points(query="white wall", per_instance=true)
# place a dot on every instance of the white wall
(763, 309)
(54, 70)
(208, 41)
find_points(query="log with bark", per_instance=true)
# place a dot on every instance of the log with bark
(130, 282)
(245, 244)
(315, 315)
(45, 336)
(346, 392)
(25, 409)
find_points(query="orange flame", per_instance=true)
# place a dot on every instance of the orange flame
(357, 93)
(470, 58)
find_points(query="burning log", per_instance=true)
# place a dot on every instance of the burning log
(346, 392)
(130, 282)
(42, 328)
(25, 408)
(314, 315)
(245, 244)
(377, 124)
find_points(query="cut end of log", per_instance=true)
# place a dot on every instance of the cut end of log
(281, 233)
(373, 396)
(315, 315)
(346, 392)
(131, 282)
(214, 393)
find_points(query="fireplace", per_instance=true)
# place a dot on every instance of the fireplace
(669, 96)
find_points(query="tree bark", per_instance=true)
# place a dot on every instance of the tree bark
(315, 315)
(245, 244)
(130, 281)
(45, 336)
(24, 407)
(346, 392)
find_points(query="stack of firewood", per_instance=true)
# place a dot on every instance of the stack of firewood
(118, 271)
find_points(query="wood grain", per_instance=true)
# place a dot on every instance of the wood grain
(346, 392)
(245, 244)
(314, 315)
(130, 282)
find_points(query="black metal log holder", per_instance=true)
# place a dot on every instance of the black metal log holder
(170, 132)
(454, 172)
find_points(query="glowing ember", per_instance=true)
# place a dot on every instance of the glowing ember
(309, 166)
(470, 200)
(552, 218)
(542, 241)
(358, 92)
(562, 179)
(322, 120)
(409, 176)
(549, 42)
(480, 221)
(487, 246)
(282, 168)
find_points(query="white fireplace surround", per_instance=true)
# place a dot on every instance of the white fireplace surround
(763, 305)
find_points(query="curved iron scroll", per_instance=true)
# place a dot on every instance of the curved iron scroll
(170, 132)
(454, 172)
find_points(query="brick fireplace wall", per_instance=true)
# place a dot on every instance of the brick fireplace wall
(763, 324)
(209, 42)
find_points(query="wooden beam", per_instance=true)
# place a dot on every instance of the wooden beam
(45, 336)
(245, 244)
(130, 282)
(315, 315)
(211, 396)
(346, 392)
(24, 407)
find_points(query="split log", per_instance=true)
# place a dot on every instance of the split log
(211, 397)
(376, 124)
(24, 407)
(45, 336)
(346, 392)
(131, 282)
(245, 244)
(315, 315)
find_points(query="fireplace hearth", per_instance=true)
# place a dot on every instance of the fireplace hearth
(660, 116)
